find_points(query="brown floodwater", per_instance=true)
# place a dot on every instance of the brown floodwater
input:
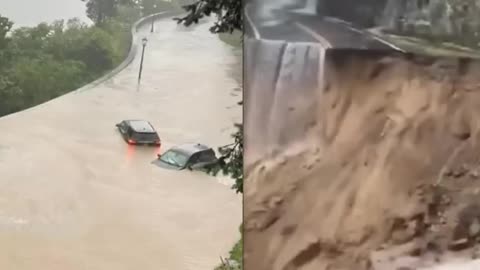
(74, 195)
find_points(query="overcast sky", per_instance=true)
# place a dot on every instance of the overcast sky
(32, 12)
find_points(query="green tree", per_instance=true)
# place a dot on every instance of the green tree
(42, 62)
(231, 159)
(5, 27)
(11, 96)
(229, 19)
(228, 12)
(100, 10)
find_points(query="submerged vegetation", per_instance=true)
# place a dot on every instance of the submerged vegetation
(235, 258)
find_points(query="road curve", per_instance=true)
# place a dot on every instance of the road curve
(74, 196)
(292, 27)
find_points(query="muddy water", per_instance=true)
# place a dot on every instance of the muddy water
(74, 196)
(280, 76)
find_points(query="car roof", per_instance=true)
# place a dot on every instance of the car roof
(140, 126)
(190, 148)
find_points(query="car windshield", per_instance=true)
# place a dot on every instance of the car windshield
(174, 158)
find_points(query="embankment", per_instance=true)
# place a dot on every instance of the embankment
(387, 174)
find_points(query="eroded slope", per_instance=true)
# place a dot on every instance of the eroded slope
(390, 177)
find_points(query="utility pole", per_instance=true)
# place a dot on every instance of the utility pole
(144, 43)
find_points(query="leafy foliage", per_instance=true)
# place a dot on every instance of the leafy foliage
(42, 62)
(229, 19)
(443, 21)
(228, 12)
(231, 160)
(235, 260)
(100, 10)
(5, 27)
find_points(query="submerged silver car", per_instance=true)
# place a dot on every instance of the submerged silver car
(188, 156)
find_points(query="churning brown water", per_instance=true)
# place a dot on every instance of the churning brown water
(74, 196)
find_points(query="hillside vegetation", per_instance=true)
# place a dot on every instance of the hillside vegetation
(437, 20)
(42, 62)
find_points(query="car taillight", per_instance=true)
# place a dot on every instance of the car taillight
(131, 141)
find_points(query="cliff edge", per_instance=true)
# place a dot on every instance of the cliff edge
(388, 176)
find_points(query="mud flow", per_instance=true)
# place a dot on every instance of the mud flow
(374, 165)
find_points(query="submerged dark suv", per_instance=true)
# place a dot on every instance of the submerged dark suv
(138, 132)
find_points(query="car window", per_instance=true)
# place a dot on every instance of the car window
(207, 156)
(174, 158)
(129, 130)
(194, 159)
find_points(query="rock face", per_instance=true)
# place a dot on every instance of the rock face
(388, 169)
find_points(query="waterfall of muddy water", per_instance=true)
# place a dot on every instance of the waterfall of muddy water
(398, 139)
(75, 196)
(279, 77)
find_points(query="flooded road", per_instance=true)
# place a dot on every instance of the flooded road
(74, 196)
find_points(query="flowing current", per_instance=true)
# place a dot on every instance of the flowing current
(282, 81)
(74, 196)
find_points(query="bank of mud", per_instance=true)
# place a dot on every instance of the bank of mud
(386, 176)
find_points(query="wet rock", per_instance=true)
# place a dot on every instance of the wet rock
(462, 135)
(401, 237)
(463, 170)
(448, 173)
(459, 244)
(474, 174)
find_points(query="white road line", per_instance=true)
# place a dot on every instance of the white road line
(387, 43)
(257, 35)
(324, 42)
(375, 37)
